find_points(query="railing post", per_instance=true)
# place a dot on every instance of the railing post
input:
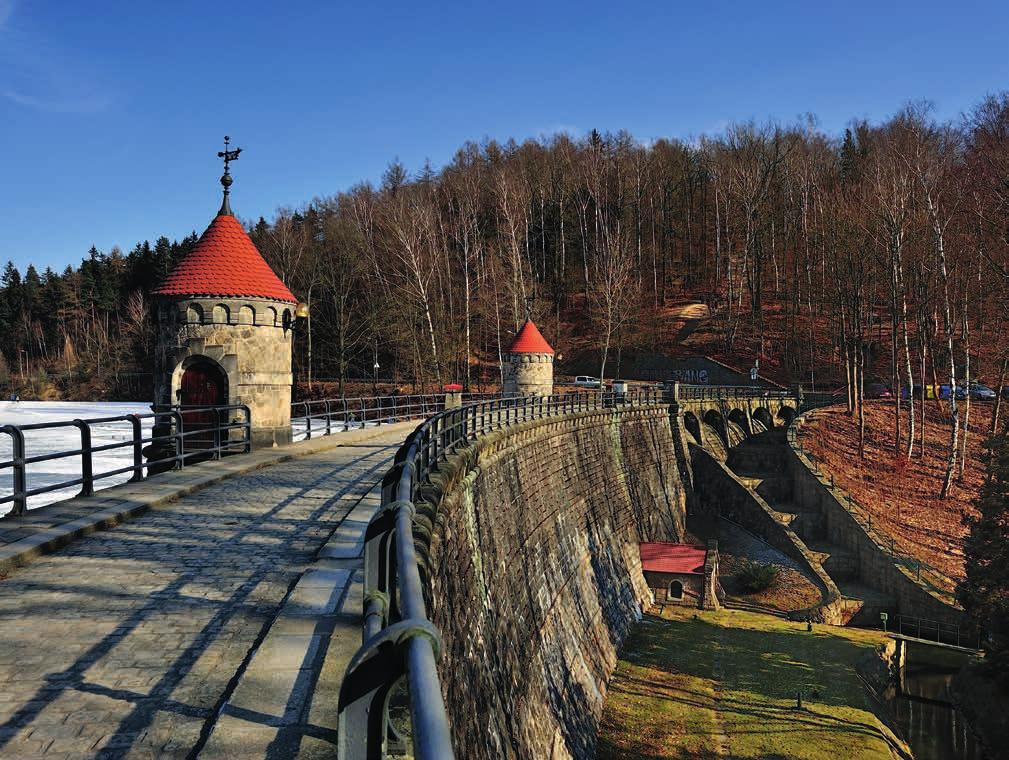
(329, 421)
(346, 414)
(217, 432)
(20, 479)
(247, 428)
(138, 449)
(180, 444)
(87, 474)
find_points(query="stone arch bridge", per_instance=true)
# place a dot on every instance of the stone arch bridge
(720, 417)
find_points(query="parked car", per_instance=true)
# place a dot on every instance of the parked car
(877, 390)
(944, 392)
(981, 392)
(585, 381)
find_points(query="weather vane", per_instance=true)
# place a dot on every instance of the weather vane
(529, 307)
(228, 156)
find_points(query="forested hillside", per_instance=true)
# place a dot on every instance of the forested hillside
(811, 251)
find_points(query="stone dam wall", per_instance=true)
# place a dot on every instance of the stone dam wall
(534, 575)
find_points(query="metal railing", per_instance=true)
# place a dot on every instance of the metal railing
(687, 392)
(936, 631)
(399, 642)
(192, 433)
(326, 416)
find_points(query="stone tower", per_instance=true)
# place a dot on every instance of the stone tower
(529, 365)
(224, 328)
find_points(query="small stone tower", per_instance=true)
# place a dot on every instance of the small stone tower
(224, 328)
(529, 365)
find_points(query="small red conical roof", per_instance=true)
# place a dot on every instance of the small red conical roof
(530, 341)
(225, 263)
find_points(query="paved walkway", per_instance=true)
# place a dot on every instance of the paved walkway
(195, 630)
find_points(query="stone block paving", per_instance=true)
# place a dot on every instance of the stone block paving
(285, 702)
(129, 642)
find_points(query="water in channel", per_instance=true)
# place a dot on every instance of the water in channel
(927, 719)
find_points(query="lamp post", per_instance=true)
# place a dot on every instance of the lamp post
(374, 379)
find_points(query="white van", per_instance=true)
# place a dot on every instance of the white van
(584, 381)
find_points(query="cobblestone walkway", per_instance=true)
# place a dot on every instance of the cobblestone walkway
(128, 642)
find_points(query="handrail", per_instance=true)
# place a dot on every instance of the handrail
(691, 392)
(964, 636)
(398, 639)
(171, 445)
(326, 416)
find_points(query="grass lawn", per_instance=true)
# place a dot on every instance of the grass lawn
(724, 685)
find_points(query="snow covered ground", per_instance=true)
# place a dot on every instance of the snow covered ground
(39, 442)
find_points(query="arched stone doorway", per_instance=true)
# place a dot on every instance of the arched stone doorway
(676, 590)
(203, 384)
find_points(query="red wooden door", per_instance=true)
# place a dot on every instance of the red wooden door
(202, 386)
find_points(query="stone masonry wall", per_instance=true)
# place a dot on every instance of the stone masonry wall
(248, 339)
(529, 374)
(535, 578)
(876, 568)
(721, 492)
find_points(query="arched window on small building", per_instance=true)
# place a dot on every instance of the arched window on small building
(676, 590)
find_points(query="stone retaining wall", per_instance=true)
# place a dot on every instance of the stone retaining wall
(721, 492)
(876, 567)
(534, 573)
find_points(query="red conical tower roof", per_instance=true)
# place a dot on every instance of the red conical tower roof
(530, 341)
(225, 263)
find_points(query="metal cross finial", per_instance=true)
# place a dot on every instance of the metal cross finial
(228, 156)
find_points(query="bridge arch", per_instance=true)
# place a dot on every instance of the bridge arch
(738, 416)
(714, 418)
(763, 415)
(693, 427)
(786, 413)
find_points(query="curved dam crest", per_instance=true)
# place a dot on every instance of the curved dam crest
(534, 572)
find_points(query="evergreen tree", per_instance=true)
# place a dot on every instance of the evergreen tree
(849, 157)
(984, 592)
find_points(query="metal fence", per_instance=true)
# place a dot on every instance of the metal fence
(326, 416)
(967, 637)
(189, 434)
(687, 392)
(399, 642)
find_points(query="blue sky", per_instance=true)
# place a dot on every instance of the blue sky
(111, 113)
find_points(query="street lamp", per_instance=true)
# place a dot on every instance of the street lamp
(374, 379)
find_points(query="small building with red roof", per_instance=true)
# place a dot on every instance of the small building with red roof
(529, 364)
(681, 573)
(225, 327)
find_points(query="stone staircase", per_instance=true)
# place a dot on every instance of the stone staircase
(758, 463)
